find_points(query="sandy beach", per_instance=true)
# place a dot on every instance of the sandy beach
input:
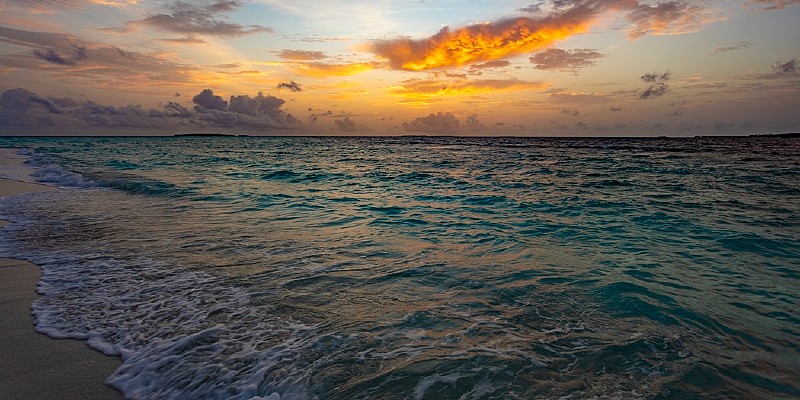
(32, 365)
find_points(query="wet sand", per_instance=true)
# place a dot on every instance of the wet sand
(32, 365)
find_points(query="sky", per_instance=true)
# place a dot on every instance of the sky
(429, 67)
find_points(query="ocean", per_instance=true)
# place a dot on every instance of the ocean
(420, 267)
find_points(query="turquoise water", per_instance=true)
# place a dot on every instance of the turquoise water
(427, 268)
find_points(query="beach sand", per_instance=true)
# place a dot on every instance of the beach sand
(32, 365)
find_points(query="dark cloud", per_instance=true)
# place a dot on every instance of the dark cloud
(52, 57)
(573, 113)
(191, 18)
(23, 109)
(45, 50)
(173, 109)
(533, 8)
(768, 5)
(439, 123)
(655, 90)
(207, 100)
(346, 125)
(670, 17)
(301, 55)
(19, 100)
(616, 109)
(565, 60)
(658, 85)
(292, 85)
(473, 124)
(492, 64)
(781, 70)
(257, 106)
(64, 102)
(785, 67)
(733, 47)
(651, 78)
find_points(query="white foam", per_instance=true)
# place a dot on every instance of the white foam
(15, 167)
(181, 333)
(55, 174)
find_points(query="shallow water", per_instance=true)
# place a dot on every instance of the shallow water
(394, 268)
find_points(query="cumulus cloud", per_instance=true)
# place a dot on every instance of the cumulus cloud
(254, 106)
(21, 108)
(207, 100)
(201, 19)
(508, 37)
(565, 60)
(439, 123)
(292, 85)
(301, 55)
(658, 85)
(346, 125)
(733, 47)
(20, 100)
(474, 125)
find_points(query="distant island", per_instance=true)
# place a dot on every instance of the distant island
(780, 135)
(205, 134)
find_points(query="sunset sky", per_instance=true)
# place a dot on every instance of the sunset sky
(530, 68)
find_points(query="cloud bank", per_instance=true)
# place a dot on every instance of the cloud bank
(444, 124)
(22, 109)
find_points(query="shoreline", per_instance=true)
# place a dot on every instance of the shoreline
(33, 365)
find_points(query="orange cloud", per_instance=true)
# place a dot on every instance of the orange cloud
(492, 41)
(510, 37)
(431, 87)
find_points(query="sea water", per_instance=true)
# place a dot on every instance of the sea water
(420, 268)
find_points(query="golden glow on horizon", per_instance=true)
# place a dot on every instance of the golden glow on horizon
(322, 70)
(429, 88)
